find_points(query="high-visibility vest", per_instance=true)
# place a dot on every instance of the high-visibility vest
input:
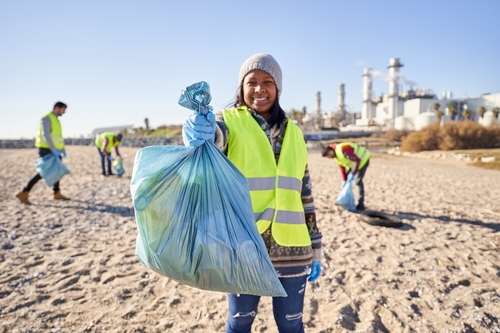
(362, 153)
(275, 190)
(55, 133)
(111, 144)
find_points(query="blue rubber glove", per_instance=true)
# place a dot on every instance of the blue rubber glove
(198, 129)
(57, 153)
(63, 154)
(350, 177)
(111, 159)
(315, 271)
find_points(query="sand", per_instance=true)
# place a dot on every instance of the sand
(70, 266)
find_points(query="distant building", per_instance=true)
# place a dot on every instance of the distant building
(414, 109)
(326, 120)
(115, 129)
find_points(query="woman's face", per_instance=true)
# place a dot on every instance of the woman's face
(259, 92)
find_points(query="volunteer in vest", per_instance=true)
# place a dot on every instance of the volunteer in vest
(105, 142)
(353, 161)
(49, 140)
(269, 149)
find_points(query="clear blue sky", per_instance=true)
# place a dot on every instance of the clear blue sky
(118, 62)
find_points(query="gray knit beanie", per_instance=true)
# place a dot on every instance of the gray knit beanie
(265, 62)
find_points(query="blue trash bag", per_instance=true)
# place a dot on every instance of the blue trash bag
(51, 168)
(194, 216)
(346, 197)
(117, 166)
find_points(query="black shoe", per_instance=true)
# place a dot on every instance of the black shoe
(360, 208)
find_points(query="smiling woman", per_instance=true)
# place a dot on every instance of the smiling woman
(270, 152)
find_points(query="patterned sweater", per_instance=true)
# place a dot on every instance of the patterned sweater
(288, 261)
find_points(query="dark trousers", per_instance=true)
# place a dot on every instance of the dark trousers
(42, 152)
(103, 160)
(361, 188)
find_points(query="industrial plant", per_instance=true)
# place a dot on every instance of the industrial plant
(410, 109)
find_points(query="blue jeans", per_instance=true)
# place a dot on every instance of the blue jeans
(287, 310)
(103, 160)
(359, 182)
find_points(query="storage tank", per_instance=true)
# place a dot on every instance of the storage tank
(480, 120)
(425, 119)
(488, 119)
(400, 123)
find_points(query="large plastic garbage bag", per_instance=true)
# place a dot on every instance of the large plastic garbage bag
(51, 168)
(117, 166)
(346, 197)
(194, 216)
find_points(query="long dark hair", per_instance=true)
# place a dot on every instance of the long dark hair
(277, 113)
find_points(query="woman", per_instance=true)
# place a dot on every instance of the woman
(270, 151)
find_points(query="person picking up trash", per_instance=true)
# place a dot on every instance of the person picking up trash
(270, 152)
(353, 161)
(104, 142)
(49, 140)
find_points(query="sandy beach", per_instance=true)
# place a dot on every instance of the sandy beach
(71, 267)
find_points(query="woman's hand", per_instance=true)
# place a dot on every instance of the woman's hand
(198, 128)
(315, 271)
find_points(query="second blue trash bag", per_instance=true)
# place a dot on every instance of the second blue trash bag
(194, 216)
(117, 166)
(346, 197)
(51, 168)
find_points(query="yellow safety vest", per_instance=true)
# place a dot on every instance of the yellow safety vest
(55, 133)
(275, 190)
(111, 144)
(362, 153)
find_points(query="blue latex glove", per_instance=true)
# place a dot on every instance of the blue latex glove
(111, 159)
(315, 271)
(198, 128)
(57, 153)
(63, 154)
(350, 177)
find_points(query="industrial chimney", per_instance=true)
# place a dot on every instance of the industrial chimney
(366, 111)
(318, 102)
(341, 99)
(394, 66)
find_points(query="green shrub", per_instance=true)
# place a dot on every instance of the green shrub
(167, 132)
(453, 136)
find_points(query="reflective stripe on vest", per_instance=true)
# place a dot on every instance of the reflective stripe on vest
(275, 190)
(358, 150)
(269, 183)
(108, 135)
(55, 133)
(266, 215)
(362, 153)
